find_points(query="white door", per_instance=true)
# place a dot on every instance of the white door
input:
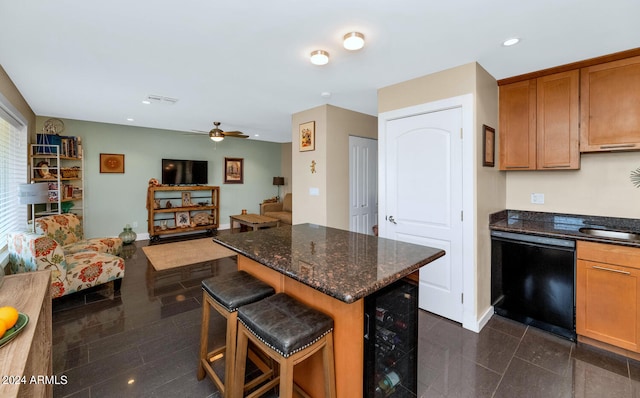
(423, 188)
(363, 184)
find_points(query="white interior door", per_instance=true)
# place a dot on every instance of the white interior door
(423, 202)
(363, 182)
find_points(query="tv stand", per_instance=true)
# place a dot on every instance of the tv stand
(178, 209)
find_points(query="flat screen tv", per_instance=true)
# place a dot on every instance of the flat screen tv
(184, 172)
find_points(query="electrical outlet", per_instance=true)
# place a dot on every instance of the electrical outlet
(537, 198)
(134, 224)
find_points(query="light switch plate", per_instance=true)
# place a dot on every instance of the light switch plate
(314, 192)
(537, 198)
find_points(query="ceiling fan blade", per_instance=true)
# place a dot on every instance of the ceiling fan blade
(237, 134)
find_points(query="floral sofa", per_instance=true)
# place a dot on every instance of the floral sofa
(75, 263)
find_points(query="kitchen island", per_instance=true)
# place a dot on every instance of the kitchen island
(333, 271)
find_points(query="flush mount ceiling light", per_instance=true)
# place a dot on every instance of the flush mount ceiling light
(511, 42)
(353, 41)
(319, 57)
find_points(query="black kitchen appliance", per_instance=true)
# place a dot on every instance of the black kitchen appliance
(533, 281)
(391, 339)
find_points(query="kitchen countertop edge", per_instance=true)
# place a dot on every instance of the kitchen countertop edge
(564, 226)
(350, 297)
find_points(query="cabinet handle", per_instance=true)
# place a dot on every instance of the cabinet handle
(617, 146)
(612, 270)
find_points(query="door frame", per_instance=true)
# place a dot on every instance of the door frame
(469, 270)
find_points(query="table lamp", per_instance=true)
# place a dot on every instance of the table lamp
(278, 181)
(32, 194)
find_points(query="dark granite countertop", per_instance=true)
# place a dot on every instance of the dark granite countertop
(345, 265)
(562, 225)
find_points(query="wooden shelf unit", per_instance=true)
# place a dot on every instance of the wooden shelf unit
(49, 165)
(199, 194)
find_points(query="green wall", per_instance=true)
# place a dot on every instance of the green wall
(113, 200)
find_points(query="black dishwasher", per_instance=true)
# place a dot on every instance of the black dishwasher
(533, 281)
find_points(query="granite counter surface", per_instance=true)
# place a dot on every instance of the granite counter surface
(565, 226)
(345, 265)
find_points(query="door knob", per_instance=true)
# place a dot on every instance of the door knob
(392, 220)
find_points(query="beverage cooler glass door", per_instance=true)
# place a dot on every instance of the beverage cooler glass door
(391, 339)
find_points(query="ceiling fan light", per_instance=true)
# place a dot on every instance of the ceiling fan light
(216, 135)
(319, 57)
(353, 41)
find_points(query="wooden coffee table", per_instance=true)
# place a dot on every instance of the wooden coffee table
(254, 221)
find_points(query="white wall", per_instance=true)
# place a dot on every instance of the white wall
(601, 187)
(333, 125)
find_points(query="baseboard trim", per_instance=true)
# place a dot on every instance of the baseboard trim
(609, 347)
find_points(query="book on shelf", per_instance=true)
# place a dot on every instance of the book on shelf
(70, 147)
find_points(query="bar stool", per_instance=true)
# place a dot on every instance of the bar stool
(288, 332)
(225, 293)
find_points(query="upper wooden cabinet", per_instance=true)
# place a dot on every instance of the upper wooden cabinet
(610, 106)
(539, 123)
(518, 126)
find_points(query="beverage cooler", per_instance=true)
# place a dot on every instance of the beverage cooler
(391, 340)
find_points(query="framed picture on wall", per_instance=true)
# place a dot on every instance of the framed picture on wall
(307, 137)
(488, 146)
(112, 163)
(233, 170)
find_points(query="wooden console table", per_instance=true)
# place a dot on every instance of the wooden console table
(27, 358)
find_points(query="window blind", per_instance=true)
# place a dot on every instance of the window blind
(13, 172)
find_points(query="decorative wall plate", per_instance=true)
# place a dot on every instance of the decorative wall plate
(53, 126)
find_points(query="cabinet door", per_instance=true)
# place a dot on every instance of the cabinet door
(557, 121)
(610, 99)
(607, 303)
(518, 126)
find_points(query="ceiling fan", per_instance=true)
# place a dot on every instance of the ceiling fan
(217, 135)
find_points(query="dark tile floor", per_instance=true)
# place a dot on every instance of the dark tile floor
(143, 341)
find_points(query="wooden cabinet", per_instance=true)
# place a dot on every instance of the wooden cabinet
(180, 209)
(610, 106)
(518, 126)
(608, 294)
(557, 121)
(62, 169)
(539, 123)
(26, 359)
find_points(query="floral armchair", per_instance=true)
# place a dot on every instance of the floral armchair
(66, 229)
(75, 263)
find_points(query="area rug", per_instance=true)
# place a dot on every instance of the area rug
(171, 255)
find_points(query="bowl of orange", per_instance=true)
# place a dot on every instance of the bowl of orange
(11, 323)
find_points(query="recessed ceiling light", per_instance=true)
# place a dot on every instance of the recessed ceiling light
(325, 94)
(256, 135)
(511, 42)
(353, 41)
(319, 57)
(146, 102)
(130, 119)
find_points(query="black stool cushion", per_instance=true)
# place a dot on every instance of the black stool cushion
(235, 289)
(285, 324)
